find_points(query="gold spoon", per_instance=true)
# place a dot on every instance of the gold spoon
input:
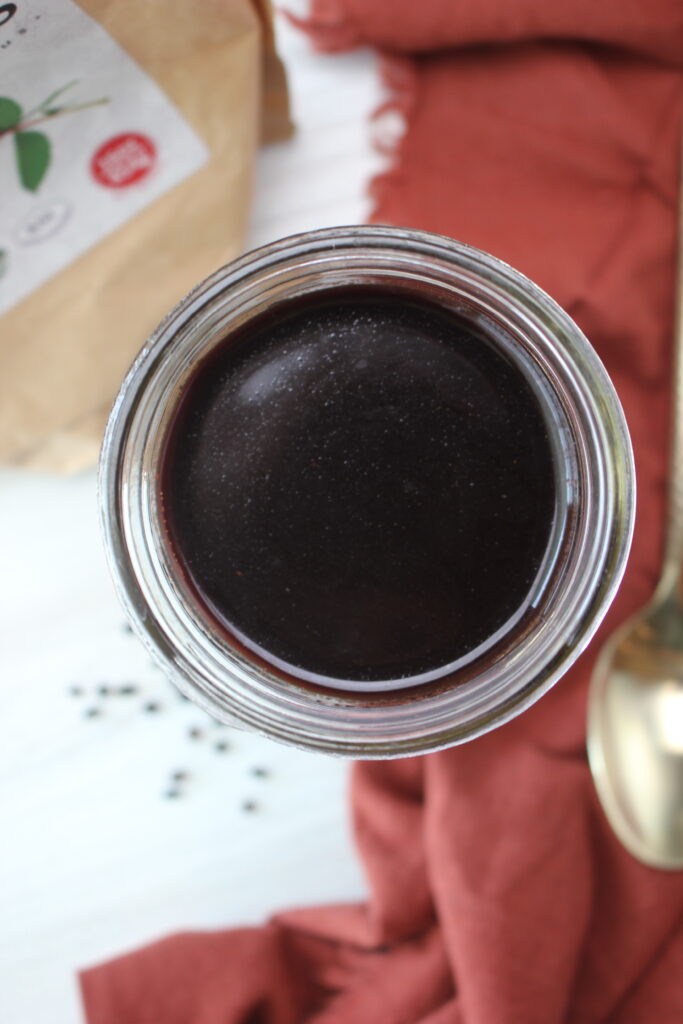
(635, 709)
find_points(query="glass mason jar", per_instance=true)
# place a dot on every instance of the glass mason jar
(584, 559)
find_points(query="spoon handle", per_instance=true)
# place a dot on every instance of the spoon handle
(672, 569)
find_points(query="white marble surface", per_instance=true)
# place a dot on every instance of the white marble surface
(93, 859)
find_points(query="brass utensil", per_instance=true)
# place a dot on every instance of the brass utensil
(635, 713)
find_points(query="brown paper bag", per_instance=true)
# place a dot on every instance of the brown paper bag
(127, 139)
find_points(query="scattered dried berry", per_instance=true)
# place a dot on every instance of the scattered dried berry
(222, 746)
(76, 691)
(104, 691)
(151, 707)
(195, 734)
(92, 713)
(128, 690)
(259, 772)
(249, 806)
(180, 776)
(172, 794)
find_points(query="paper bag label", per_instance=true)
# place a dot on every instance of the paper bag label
(87, 141)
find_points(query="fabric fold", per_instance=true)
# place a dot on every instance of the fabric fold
(652, 28)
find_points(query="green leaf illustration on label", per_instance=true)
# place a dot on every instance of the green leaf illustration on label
(33, 158)
(33, 149)
(10, 113)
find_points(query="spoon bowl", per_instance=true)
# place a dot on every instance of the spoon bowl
(635, 733)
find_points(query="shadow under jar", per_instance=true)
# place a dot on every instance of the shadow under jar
(367, 491)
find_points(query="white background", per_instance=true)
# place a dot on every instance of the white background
(93, 859)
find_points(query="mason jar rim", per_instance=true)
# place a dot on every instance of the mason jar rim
(221, 679)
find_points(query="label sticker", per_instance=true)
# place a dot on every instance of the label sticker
(87, 141)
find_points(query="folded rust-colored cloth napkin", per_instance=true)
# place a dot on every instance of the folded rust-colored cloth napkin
(547, 134)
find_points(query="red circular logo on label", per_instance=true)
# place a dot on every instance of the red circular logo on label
(123, 160)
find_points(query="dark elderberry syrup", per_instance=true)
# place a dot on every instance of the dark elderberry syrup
(359, 486)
